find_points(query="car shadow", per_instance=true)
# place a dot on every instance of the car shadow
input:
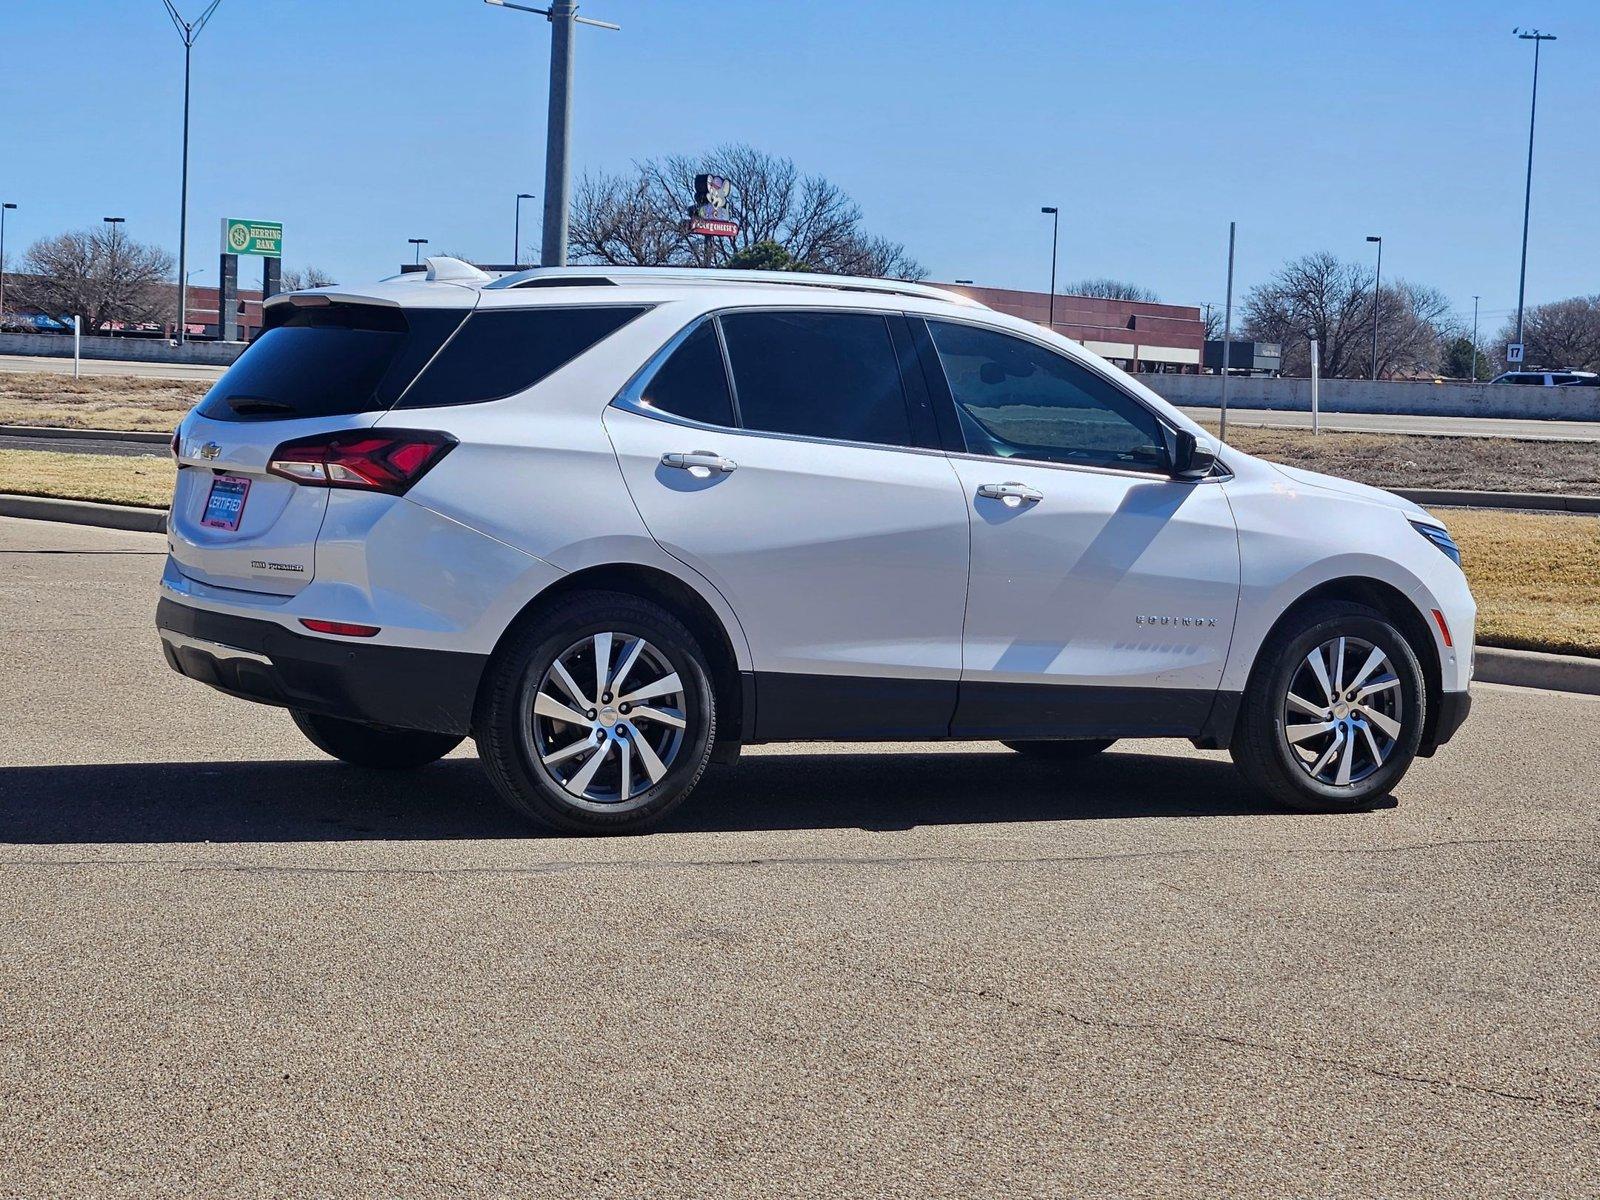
(328, 801)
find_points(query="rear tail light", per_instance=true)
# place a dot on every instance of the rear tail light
(342, 628)
(370, 460)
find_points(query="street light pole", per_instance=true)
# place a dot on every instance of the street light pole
(1227, 337)
(419, 243)
(188, 32)
(1473, 377)
(516, 237)
(1055, 230)
(4, 208)
(562, 15)
(1377, 298)
(1534, 36)
(111, 254)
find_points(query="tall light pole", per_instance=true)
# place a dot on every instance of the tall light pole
(6, 207)
(1227, 337)
(562, 15)
(188, 31)
(1534, 36)
(115, 235)
(1055, 231)
(1473, 377)
(419, 243)
(516, 237)
(1377, 297)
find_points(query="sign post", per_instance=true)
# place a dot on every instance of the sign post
(1316, 375)
(264, 240)
(77, 343)
(1514, 354)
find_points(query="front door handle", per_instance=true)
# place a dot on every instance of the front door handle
(700, 462)
(1012, 494)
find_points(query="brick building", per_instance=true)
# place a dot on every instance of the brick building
(1133, 335)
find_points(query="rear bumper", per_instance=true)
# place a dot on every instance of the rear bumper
(395, 686)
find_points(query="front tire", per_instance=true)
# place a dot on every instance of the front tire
(1334, 710)
(599, 716)
(370, 746)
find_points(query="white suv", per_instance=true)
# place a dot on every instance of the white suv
(615, 524)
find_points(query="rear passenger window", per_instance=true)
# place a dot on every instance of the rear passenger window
(692, 382)
(828, 375)
(501, 352)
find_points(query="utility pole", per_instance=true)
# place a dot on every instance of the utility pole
(1473, 376)
(1534, 36)
(188, 31)
(1055, 232)
(1227, 337)
(1377, 298)
(562, 15)
(6, 207)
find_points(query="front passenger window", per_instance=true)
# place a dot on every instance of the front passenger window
(1016, 399)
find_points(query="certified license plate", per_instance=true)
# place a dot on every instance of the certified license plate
(225, 504)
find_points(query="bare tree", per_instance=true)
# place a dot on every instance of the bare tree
(101, 275)
(1334, 298)
(307, 277)
(1563, 333)
(1111, 289)
(642, 219)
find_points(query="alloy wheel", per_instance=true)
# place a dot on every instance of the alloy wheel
(1342, 711)
(607, 720)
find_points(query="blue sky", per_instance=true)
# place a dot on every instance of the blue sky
(360, 123)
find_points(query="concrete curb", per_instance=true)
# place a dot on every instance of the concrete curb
(1449, 498)
(85, 512)
(1532, 668)
(87, 435)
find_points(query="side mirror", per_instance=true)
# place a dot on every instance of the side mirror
(1192, 457)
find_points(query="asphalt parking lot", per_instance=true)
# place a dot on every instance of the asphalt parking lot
(234, 967)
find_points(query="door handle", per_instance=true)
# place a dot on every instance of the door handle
(700, 462)
(1012, 494)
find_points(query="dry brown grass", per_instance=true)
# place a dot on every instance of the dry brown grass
(1391, 460)
(113, 479)
(1536, 577)
(96, 401)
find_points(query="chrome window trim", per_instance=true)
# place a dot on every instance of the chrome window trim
(628, 400)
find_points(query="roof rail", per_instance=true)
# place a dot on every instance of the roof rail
(590, 276)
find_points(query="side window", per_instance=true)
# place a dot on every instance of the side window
(500, 352)
(818, 374)
(692, 382)
(1015, 399)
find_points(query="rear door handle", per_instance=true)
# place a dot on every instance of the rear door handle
(1013, 494)
(700, 462)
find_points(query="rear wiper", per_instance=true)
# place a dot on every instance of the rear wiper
(255, 406)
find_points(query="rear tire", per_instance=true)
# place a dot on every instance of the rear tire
(1062, 751)
(1334, 710)
(370, 746)
(580, 755)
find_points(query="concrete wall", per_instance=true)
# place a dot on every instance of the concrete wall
(1364, 396)
(55, 345)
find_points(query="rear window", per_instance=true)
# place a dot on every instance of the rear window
(501, 352)
(329, 360)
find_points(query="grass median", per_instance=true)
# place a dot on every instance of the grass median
(97, 401)
(1536, 575)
